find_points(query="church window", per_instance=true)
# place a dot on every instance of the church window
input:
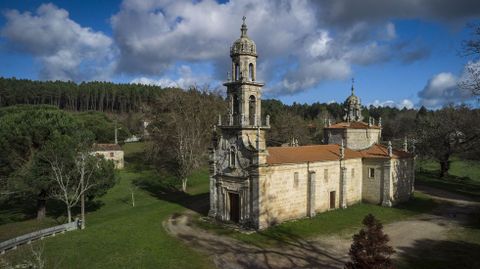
(251, 110)
(251, 76)
(325, 175)
(295, 179)
(112, 154)
(232, 157)
(371, 172)
(353, 172)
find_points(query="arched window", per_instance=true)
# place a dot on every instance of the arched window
(251, 109)
(237, 72)
(232, 156)
(250, 72)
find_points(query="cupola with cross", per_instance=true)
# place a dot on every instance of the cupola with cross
(243, 90)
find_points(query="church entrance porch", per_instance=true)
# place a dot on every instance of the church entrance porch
(234, 206)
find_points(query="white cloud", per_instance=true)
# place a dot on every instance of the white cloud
(390, 32)
(405, 103)
(442, 89)
(297, 51)
(300, 43)
(320, 46)
(187, 79)
(65, 50)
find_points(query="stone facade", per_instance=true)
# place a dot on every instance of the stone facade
(257, 187)
(354, 138)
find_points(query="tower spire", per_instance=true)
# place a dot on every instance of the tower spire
(244, 27)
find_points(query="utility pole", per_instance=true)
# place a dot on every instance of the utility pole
(82, 188)
(116, 135)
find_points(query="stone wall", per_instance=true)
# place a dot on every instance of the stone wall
(372, 190)
(361, 138)
(285, 196)
(403, 176)
(353, 138)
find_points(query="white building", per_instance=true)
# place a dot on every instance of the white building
(112, 152)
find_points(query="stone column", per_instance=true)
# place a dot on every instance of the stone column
(343, 187)
(220, 203)
(213, 197)
(213, 192)
(386, 199)
(311, 188)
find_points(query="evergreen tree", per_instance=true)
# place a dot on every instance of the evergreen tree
(369, 249)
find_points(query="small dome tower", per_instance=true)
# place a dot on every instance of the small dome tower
(353, 107)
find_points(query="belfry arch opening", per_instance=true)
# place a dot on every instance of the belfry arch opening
(235, 105)
(251, 74)
(251, 110)
(237, 72)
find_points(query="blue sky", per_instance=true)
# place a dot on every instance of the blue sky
(403, 53)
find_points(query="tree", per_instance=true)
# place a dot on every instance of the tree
(181, 129)
(471, 48)
(369, 249)
(287, 126)
(73, 169)
(23, 131)
(448, 131)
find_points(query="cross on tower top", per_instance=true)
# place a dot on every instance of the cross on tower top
(353, 82)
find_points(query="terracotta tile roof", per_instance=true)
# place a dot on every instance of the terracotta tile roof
(381, 151)
(106, 147)
(352, 125)
(312, 153)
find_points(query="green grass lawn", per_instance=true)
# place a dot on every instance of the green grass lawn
(341, 222)
(121, 236)
(463, 178)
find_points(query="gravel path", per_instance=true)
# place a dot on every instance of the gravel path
(322, 252)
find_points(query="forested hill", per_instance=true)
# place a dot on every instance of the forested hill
(97, 96)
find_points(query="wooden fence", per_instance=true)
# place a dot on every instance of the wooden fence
(28, 238)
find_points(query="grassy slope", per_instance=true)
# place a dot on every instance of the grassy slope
(121, 236)
(464, 177)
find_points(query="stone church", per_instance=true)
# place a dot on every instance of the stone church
(258, 186)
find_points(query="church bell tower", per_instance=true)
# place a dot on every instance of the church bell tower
(239, 148)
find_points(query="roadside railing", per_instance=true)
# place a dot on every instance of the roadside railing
(28, 238)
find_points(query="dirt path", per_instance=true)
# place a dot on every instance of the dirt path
(321, 252)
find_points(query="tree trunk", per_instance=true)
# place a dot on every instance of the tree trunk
(83, 210)
(42, 205)
(444, 167)
(184, 184)
(69, 213)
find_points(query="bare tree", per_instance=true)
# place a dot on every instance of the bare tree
(446, 132)
(72, 167)
(471, 48)
(181, 129)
